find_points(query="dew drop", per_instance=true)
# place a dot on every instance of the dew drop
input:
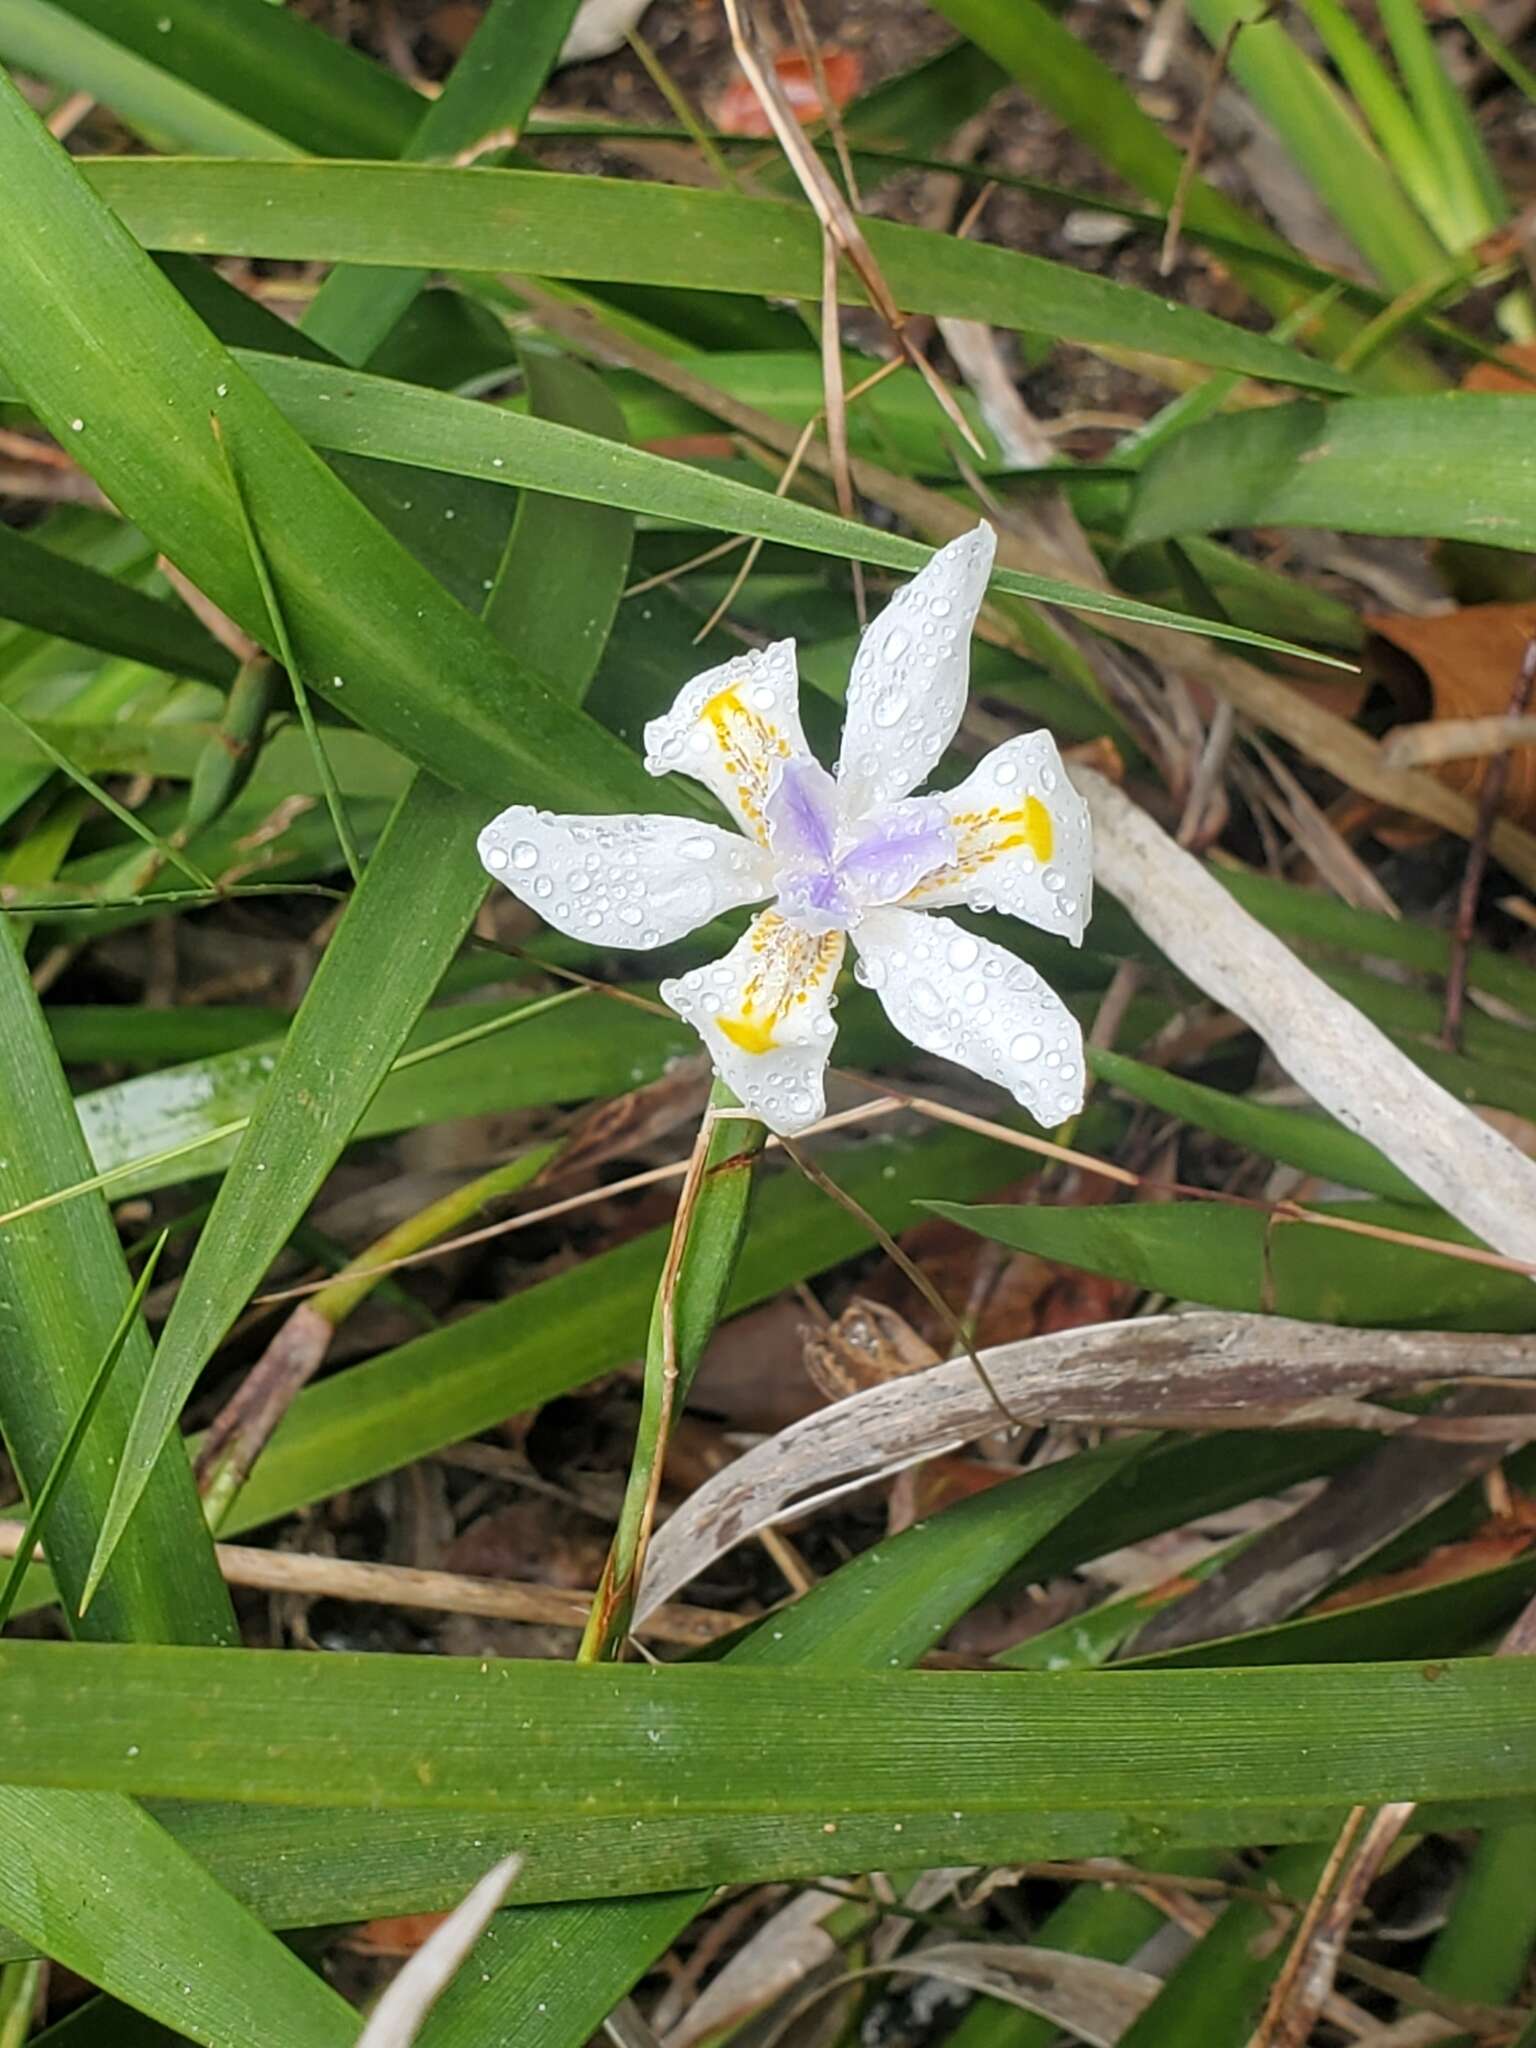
(940, 607)
(525, 854)
(1047, 779)
(497, 857)
(762, 697)
(1027, 1047)
(976, 993)
(897, 641)
(543, 886)
(868, 973)
(926, 999)
(1054, 880)
(698, 848)
(962, 952)
(632, 915)
(801, 1104)
(77, 426)
(890, 709)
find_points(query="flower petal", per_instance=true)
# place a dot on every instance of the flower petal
(970, 1001)
(910, 676)
(626, 880)
(731, 727)
(1023, 841)
(765, 1014)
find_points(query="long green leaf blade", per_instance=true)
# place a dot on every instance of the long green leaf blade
(132, 397)
(629, 232)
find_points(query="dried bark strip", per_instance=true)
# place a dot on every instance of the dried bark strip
(1342, 1060)
(1225, 1370)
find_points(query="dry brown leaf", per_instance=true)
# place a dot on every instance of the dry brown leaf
(868, 1344)
(1519, 375)
(1496, 1543)
(1471, 658)
(1227, 1370)
(738, 110)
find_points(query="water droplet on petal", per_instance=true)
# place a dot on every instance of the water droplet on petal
(1006, 772)
(962, 952)
(868, 973)
(926, 999)
(698, 848)
(496, 857)
(890, 709)
(1054, 880)
(897, 641)
(1026, 1047)
(543, 886)
(525, 854)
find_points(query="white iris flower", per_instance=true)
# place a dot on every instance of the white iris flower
(851, 856)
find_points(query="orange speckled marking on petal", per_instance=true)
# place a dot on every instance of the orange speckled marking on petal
(982, 835)
(749, 745)
(790, 966)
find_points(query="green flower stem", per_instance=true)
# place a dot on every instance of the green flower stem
(706, 1238)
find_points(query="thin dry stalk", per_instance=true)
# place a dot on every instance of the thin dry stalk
(832, 113)
(832, 209)
(393, 1585)
(1306, 1983)
(910, 1269)
(1193, 156)
(1490, 799)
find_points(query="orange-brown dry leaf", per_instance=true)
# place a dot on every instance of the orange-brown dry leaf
(939, 1483)
(1519, 375)
(1497, 1543)
(738, 111)
(400, 1936)
(1471, 658)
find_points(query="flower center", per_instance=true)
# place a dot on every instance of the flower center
(829, 873)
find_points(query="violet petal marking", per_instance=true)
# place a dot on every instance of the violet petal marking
(898, 846)
(802, 813)
(817, 898)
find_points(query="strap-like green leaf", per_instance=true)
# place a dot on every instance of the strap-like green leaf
(626, 231)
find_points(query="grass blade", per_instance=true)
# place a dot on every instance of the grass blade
(283, 648)
(58, 1471)
(63, 1288)
(50, 591)
(426, 875)
(624, 231)
(487, 97)
(1456, 467)
(413, 666)
(376, 416)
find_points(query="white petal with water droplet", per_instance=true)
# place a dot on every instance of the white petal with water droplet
(910, 676)
(623, 881)
(1024, 843)
(764, 1013)
(995, 1015)
(731, 727)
